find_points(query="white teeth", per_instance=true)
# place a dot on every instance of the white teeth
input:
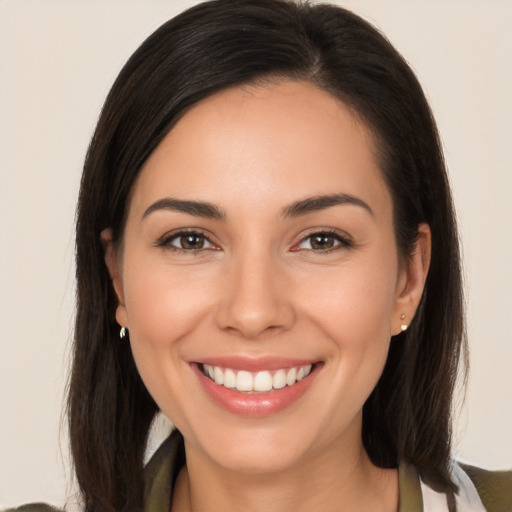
(229, 379)
(291, 376)
(262, 381)
(245, 381)
(303, 372)
(279, 379)
(218, 375)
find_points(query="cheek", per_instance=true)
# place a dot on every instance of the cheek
(354, 311)
(164, 306)
(164, 303)
(354, 303)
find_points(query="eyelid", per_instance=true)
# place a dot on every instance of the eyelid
(345, 241)
(165, 240)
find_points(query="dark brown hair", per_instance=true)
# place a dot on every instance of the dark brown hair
(207, 48)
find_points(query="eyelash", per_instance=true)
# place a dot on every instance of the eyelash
(166, 241)
(344, 241)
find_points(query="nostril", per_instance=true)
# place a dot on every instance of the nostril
(253, 321)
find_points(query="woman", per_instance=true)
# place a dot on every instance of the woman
(265, 221)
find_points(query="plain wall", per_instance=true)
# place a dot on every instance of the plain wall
(57, 62)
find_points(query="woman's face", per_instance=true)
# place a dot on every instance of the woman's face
(259, 249)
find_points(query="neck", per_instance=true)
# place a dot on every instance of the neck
(335, 478)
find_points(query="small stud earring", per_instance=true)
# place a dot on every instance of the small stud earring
(122, 332)
(403, 327)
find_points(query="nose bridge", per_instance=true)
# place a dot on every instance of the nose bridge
(255, 300)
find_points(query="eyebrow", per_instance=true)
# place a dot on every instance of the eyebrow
(196, 208)
(317, 203)
(296, 209)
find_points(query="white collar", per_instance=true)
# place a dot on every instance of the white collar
(467, 499)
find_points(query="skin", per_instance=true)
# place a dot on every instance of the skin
(258, 287)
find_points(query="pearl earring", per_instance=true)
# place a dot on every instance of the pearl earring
(404, 326)
(122, 332)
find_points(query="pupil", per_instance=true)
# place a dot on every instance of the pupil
(322, 242)
(192, 242)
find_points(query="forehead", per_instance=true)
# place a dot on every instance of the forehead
(287, 139)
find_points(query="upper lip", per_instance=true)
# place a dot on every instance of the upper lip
(255, 364)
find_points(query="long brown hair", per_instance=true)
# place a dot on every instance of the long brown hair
(209, 47)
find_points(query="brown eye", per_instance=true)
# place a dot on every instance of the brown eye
(190, 241)
(323, 242)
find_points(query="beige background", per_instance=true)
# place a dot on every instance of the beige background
(57, 62)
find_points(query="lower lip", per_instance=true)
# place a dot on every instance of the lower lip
(255, 405)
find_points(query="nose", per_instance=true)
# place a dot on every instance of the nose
(255, 299)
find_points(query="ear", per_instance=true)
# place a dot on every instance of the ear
(411, 282)
(112, 260)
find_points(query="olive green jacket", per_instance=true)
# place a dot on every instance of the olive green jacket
(480, 490)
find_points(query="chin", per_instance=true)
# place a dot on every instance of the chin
(263, 458)
(252, 449)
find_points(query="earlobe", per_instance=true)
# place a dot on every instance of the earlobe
(112, 263)
(412, 282)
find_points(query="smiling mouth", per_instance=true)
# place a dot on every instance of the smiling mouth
(256, 382)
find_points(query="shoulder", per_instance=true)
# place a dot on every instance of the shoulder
(479, 490)
(493, 487)
(160, 474)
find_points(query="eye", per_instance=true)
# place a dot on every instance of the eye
(323, 241)
(189, 241)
